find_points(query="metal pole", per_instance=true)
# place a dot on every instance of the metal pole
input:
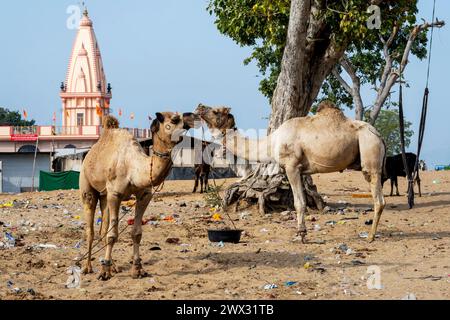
(34, 164)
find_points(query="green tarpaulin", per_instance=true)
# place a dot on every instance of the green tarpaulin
(49, 181)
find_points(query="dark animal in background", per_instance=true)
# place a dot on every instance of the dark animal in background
(395, 168)
(422, 165)
(202, 172)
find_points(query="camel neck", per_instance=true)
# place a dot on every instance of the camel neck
(255, 150)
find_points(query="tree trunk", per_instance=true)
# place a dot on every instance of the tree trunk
(308, 58)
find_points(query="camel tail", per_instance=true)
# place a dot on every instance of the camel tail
(110, 122)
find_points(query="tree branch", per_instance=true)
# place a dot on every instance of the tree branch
(392, 76)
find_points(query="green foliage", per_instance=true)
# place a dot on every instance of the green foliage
(212, 196)
(262, 25)
(13, 118)
(388, 126)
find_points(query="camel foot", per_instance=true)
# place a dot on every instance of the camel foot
(302, 234)
(371, 238)
(105, 274)
(137, 272)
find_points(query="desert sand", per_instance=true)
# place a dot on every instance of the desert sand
(411, 252)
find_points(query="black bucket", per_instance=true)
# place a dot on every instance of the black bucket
(233, 236)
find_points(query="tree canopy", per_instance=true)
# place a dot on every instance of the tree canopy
(13, 118)
(263, 25)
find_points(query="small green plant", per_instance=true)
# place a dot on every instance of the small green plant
(212, 196)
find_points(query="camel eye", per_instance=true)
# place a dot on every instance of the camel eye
(168, 127)
(215, 112)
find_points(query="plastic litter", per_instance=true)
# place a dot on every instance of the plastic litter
(317, 227)
(78, 244)
(263, 230)
(47, 246)
(368, 222)
(217, 217)
(74, 279)
(98, 221)
(270, 286)
(364, 234)
(290, 283)
(218, 244)
(330, 223)
(10, 240)
(410, 296)
(173, 240)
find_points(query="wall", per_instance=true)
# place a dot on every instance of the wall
(18, 168)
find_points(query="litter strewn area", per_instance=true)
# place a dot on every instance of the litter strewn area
(42, 235)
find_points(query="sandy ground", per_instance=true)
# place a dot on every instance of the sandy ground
(412, 251)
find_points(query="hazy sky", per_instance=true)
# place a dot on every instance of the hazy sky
(168, 55)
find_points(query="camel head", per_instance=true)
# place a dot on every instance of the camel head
(170, 126)
(218, 120)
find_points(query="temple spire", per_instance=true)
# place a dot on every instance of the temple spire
(86, 96)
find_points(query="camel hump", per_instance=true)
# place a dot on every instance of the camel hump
(328, 108)
(110, 122)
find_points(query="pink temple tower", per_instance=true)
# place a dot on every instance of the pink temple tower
(85, 94)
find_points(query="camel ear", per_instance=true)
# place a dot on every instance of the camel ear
(160, 117)
(230, 123)
(154, 127)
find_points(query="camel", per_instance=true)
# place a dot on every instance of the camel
(322, 143)
(117, 167)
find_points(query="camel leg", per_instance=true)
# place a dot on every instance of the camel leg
(396, 186)
(206, 182)
(392, 187)
(113, 200)
(418, 185)
(196, 184)
(379, 203)
(90, 198)
(295, 180)
(201, 183)
(142, 201)
(372, 152)
(105, 225)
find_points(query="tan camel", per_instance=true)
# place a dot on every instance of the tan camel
(115, 168)
(325, 142)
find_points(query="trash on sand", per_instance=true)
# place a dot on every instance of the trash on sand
(10, 240)
(437, 181)
(78, 244)
(155, 248)
(263, 230)
(358, 263)
(410, 296)
(47, 246)
(361, 195)
(342, 202)
(173, 240)
(98, 221)
(364, 234)
(349, 252)
(330, 223)
(270, 286)
(368, 222)
(217, 217)
(74, 279)
(308, 257)
(244, 215)
(218, 244)
(307, 266)
(8, 204)
(77, 217)
(290, 283)
(317, 227)
(343, 247)
(169, 219)
(341, 222)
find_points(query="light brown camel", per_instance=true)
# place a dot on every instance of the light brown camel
(115, 168)
(325, 142)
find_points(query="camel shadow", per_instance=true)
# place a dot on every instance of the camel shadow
(414, 235)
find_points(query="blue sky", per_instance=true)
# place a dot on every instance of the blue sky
(168, 55)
